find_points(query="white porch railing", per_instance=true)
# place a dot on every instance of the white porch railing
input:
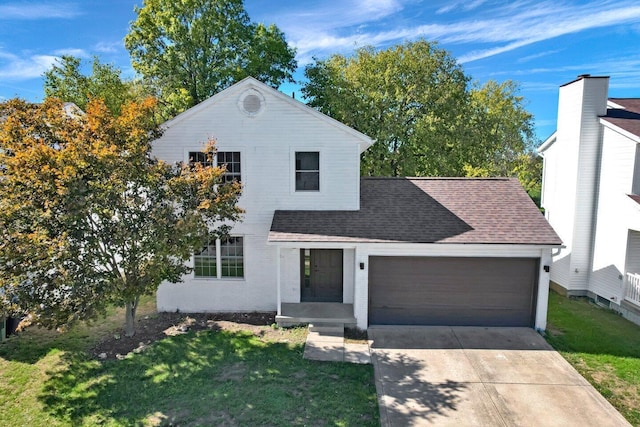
(632, 288)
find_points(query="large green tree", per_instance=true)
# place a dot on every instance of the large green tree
(419, 106)
(67, 81)
(191, 49)
(500, 128)
(88, 219)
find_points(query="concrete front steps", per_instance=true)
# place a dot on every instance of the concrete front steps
(315, 312)
(325, 342)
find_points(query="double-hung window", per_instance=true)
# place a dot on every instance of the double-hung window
(232, 257)
(229, 159)
(205, 261)
(199, 157)
(307, 171)
(220, 258)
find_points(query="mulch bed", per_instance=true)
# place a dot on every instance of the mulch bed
(161, 325)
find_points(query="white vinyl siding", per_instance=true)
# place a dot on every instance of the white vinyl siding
(267, 142)
(632, 264)
(615, 212)
(594, 104)
(573, 160)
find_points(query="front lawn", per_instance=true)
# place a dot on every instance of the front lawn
(602, 346)
(218, 376)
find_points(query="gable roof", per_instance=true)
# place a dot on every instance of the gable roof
(250, 82)
(625, 114)
(622, 113)
(425, 210)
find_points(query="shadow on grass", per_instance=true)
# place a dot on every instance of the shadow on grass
(35, 343)
(211, 378)
(580, 326)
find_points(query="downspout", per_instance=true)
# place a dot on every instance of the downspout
(278, 292)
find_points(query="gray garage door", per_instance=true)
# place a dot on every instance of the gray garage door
(452, 291)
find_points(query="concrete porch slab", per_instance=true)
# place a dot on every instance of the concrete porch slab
(315, 312)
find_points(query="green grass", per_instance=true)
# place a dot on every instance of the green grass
(602, 346)
(199, 378)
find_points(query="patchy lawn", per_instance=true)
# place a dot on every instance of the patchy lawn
(219, 372)
(602, 346)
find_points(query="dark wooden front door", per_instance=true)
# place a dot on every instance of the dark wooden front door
(321, 275)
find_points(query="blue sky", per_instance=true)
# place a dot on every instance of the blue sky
(539, 44)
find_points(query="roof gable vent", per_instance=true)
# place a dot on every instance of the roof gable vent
(251, 102)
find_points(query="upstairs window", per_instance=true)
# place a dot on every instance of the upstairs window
(307, 171)
(199, 157)
(229, 159)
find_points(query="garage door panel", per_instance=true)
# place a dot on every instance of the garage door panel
(452, 291)
(450, 316)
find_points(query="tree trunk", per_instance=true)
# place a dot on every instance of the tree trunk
(130, 317)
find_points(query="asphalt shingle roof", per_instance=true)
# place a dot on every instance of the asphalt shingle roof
(425, 210)
(627, 118)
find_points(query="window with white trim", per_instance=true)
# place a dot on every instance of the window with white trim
(220, 258)
(229, 159)
(307, 171)
(204, 159)
(205, 261)
(232, 257)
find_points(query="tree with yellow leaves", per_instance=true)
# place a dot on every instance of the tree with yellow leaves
(88, 219)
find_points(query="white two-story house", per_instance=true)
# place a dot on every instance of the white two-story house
(319, 243)
(591, 188)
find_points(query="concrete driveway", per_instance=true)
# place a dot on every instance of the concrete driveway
(473, 376)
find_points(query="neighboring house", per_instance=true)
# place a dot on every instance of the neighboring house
(318, 242)
(591, 195)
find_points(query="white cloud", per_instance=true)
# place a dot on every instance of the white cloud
(546, 22)
(108, 47)
(38, 10)
(331, 17)
(537, 55)
(332, 28)
(80, 53)
(15, 68)
(623, 72)
(463, 5)
(376, 9)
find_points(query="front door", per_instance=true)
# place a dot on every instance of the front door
(321, 275)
